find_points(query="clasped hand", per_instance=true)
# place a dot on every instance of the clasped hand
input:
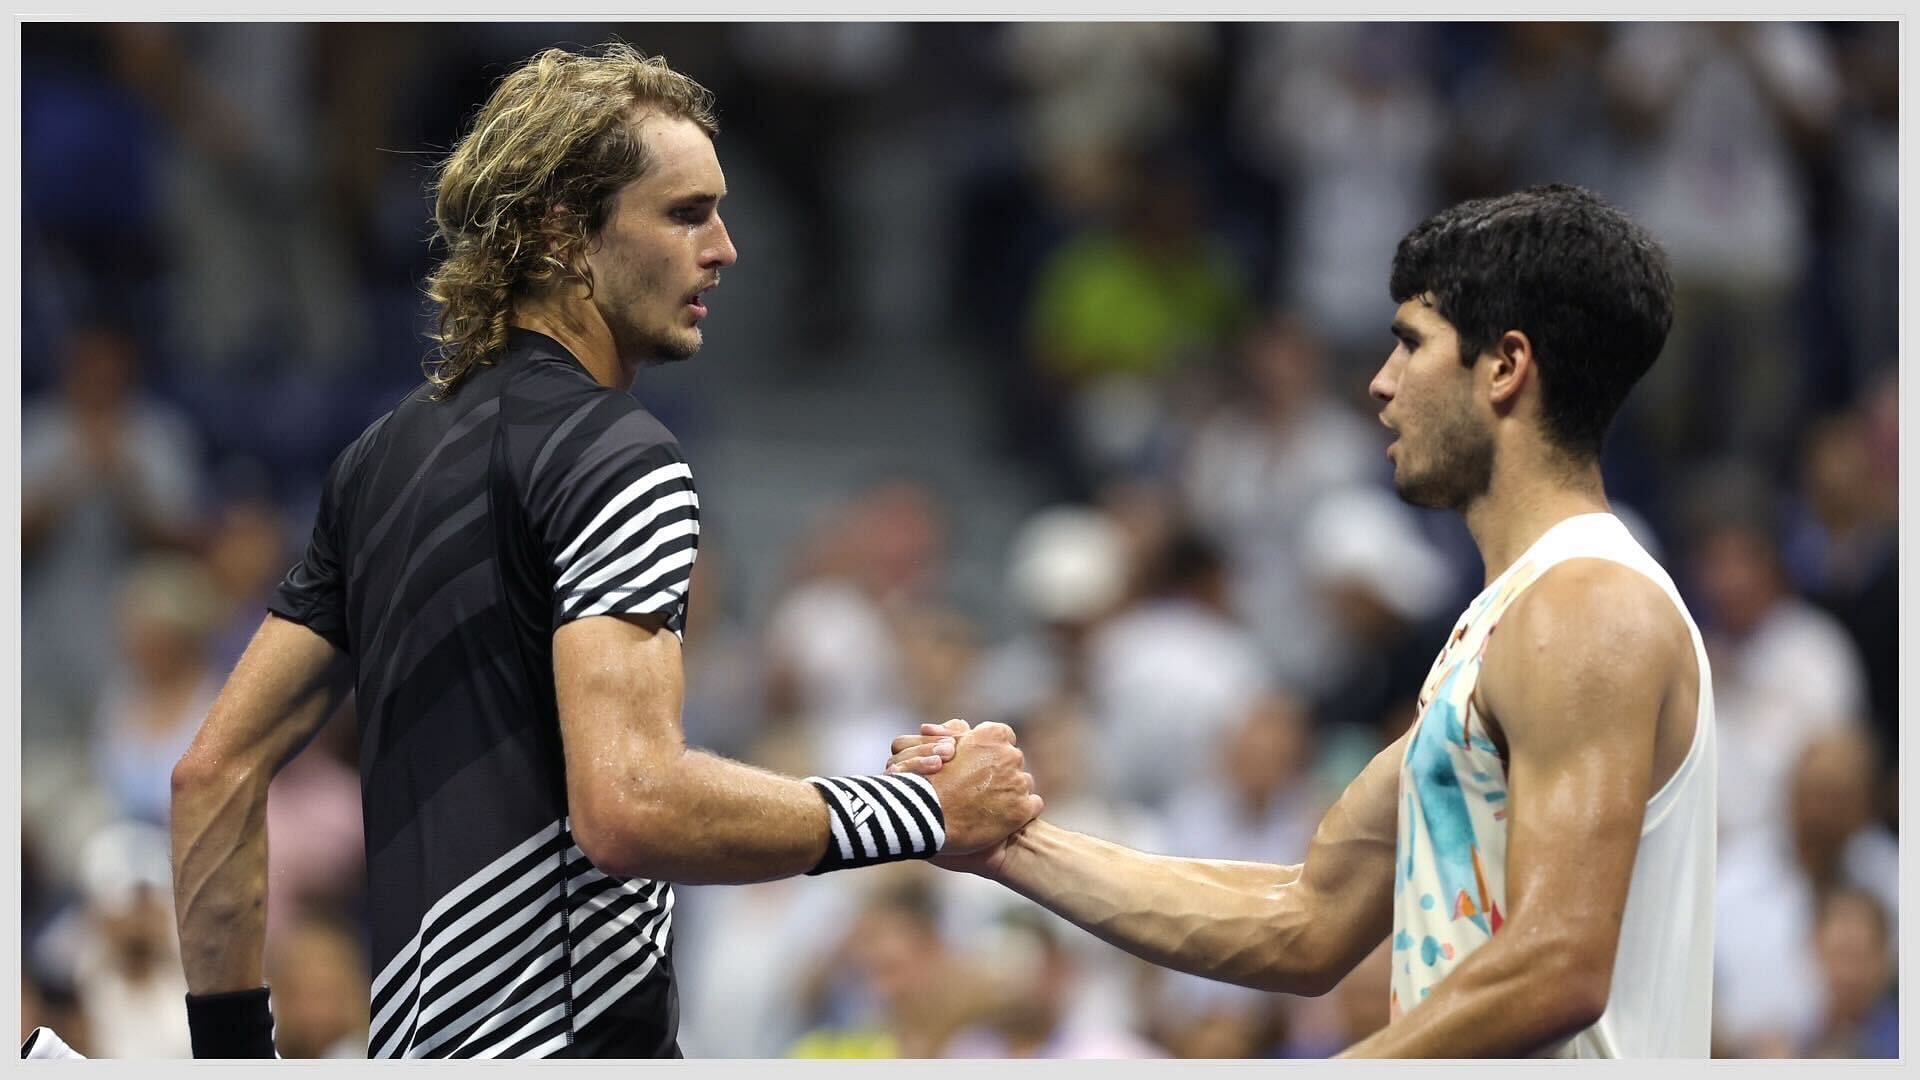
(984, 787)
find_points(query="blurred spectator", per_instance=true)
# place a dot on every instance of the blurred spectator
(724, 710)
(1064, 755)
(857, 654)
(122, 950)
(246, 165)
(1149, 516)
(1843, 544)
(1144, 295)
(1855, 945)
(1784, 671)
(1533, 113)
(1835, 839)
(831, 643)
(105, 473)
(1067, 107)
(937, 650)
(1385, 591)
(1262, 805)
(779, 931)
(1769, 995)
(153, 705)
(894, 988)
(1280, 440)
(1195, 1018)
(318, 970)
(247, 555)
(1358, 1009)
(1171, 675)
(1068, 569)
(816, 89)
(1345, 117)
(1037, 979)
(1866, 167)
(88, 182)
(318, 855)
(1095, 91)
(1719, 114)
(1122, 308)
(1064, 752)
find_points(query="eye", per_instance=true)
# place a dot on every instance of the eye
(690, 215)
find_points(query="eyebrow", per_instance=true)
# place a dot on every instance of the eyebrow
(1403, 331)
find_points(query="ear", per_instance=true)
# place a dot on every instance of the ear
(1509, 368)
(571, 264)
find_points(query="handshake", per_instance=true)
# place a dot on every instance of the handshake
(985, 790)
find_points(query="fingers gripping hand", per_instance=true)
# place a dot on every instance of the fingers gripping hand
(925, 753)
(985, 790)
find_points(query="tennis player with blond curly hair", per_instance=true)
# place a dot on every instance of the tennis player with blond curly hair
(499, 573)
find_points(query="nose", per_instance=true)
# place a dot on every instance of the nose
(1386, 380)
(720, 253)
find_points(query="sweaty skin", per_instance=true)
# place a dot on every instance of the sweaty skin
(641, 803)
(1590, 688)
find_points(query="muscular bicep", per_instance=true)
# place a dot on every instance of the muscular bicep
(618, 683)
(1576, 679)
(1346, 883)
(287, 684)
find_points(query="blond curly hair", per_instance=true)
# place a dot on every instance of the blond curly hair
(526, 188)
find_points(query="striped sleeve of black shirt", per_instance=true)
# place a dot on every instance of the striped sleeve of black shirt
(613, 502)
(313, 592)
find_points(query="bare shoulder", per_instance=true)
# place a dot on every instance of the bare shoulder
(1597, 600)
(1589, 631)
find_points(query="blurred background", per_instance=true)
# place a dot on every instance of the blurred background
(1038, 395)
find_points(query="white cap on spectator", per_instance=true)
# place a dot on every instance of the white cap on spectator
(1069, 563)
(1366, 536)
(121, 858)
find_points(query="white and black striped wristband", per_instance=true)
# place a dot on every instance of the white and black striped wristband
(879, 819)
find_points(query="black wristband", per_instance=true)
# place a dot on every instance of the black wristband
(879, 819)
(231, 1025)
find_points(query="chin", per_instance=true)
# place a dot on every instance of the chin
(673, 348)
(1414, 493)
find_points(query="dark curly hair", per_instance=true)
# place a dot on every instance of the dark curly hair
(525, 190)
(1591, 290)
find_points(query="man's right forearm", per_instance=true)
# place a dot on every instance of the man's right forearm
(220, 877)
(708, 820)
(1239, 922)
(699, 819)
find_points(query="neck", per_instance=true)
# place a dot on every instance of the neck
(578, 326)
(1520, 506)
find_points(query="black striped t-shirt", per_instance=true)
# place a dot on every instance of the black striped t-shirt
(453, 538)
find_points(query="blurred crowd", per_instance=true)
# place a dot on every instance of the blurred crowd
(1167, 245)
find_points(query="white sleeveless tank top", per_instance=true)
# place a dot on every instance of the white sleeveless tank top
(1450, 873)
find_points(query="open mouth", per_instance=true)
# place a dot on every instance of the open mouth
(697, 301)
